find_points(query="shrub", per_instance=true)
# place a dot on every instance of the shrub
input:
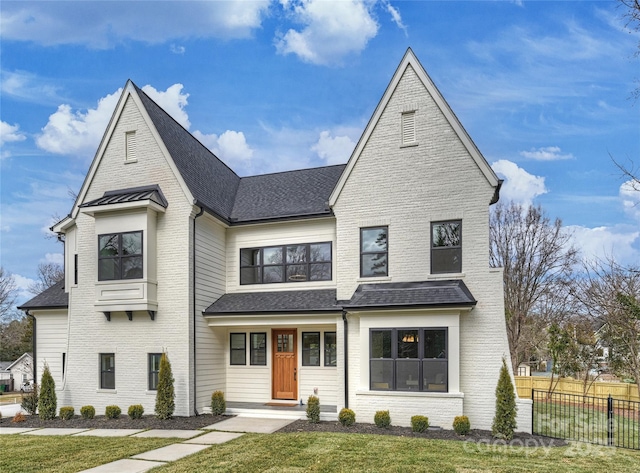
(30, 401)
(313, 409)
(165, 396)
(218, 404)
(87, 412)
(347, 417)
(419, 423)
(47, 403)
(504, 421)
(461, 425)
(67, 412)
(135, 411)
(19, 417)
(112, 412)
(382, 419)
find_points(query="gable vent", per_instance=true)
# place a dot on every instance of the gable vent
(409, 128)
(130, 145)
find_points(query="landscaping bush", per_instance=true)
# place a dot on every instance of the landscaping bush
(313, 409)
(19, 417)
(112, 412)
(87, 412)
(419, 423)
(66, 412)
(47, 403)
(461, 425)
(504, 422)
(135, 411)
(165, 395)
(347, 417)
(382, 419)
(218, 404)
(30, 400)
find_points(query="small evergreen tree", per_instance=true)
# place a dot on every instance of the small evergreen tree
(504, 422)
(47, 403)
(165, 396)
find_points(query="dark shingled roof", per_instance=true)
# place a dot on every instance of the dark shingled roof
(133, 194)
(52, 298)
(367, 296)
(411, 294)
(320, 300)
(285, 194)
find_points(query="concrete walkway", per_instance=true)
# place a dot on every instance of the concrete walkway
(194, 440)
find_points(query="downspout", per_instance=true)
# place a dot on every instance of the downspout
(33, 346)
(195, 393)
(346, 359)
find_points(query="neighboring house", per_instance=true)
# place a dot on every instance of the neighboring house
(366, 283)
(5, 375)
(21, 370)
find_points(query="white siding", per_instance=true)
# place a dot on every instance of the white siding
(51, 343)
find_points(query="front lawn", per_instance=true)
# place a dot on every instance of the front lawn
(63, 454)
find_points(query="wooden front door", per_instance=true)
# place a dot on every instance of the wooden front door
(285, 364)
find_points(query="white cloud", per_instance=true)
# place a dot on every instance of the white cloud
(619, 242)
(22, 285)
(331, 30)
(176, 49)
(57, 258)
(548, 153)
(105, 24)
(233, 148)
(396, 17)
(519, 185)
(173, 101)
(333, 150)
(630, 195)
(9, 134)
(29, 87)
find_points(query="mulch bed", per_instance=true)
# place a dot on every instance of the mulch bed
(298, 426)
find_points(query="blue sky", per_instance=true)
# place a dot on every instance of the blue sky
(543, 88)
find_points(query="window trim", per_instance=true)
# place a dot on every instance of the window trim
(252, 350)
(309, 350)
(420, 359)
(243, 349)
(434, 248)
(151, 371)
(261, 265)
(335, 350)
(364, 253)
(120, 257)
(101, 359)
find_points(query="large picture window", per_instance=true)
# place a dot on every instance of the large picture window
(411, 359)
(290, 263)
(120, 256)
(238, 343)
(446, 247)
(154, 370)
(373, 252)
(107, 371)
(258, 348)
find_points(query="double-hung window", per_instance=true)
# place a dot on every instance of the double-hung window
(258, 348)
(238, 343)
(154, 370)
(330, 355)
(373, 252)
(411, 359)
(107, 371)
(310, 348)
(120, 256)
(446, 247)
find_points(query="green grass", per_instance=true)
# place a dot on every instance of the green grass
(10, 398)
(329, 452)
(63, 454)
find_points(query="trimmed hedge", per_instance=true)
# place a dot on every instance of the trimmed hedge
(218, 404)
(112, 412)
(461, 425)
(67, 412)
(382, 419)
(419, 423)
(88, 412)
(313, 409)
(347, 417)
(135, 411)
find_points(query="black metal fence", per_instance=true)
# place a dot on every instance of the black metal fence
(611, 422)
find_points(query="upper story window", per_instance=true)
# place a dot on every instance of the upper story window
(446, 247)
(373, 252)
(120, 256)
(289, 263)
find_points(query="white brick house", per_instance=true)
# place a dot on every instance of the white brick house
(366, 283)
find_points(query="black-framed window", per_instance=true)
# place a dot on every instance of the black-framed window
(374, 252)
(258, 348)
(286, 263)
(120, 256)
(330, 353)
(238, 344)
(154, 370)
(409, 359)
(310, 348)
(446, 247)
(107, 371)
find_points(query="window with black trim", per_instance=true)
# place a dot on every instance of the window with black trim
(373, 252)
(154, 370)
(238, 344)
(330, 354)
(120, 256)
(411, 359)
(446, 247)
(107, 371)
(287, 263)
(310, 348)
(258, 348)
